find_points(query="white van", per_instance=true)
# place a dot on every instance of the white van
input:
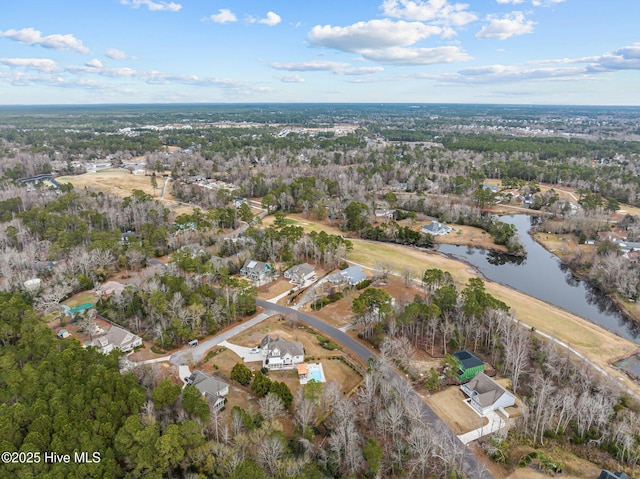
(193, 343)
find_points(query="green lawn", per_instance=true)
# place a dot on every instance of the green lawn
(80, 298)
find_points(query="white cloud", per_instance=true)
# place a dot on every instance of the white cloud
(374, 34)
(116, 54)
(31, 36)
(545, 3)
(107, 72)
(40, 64)
(312, 66)
(506, 74)
(339, 68)
(436, 11)
(625, 58)
(95, 63)
(512, 2)
(359, 71)
(154, 77)
(271, 20)
(224, 15)
(417, 56)
(567, 69)
(295, 78)
(159, 6)
(507, 26)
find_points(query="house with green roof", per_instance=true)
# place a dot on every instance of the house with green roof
(469, 365)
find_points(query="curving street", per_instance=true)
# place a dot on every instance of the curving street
(473, 468)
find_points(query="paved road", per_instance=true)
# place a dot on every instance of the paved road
(164, 186)
(193, 355)
(473, 467)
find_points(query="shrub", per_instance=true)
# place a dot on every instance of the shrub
(241, 373)
(330, 346)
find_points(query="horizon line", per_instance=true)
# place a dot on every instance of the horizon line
(382, 104)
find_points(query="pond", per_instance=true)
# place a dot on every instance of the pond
(542, 275)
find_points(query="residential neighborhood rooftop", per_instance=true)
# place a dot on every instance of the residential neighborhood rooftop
(488, 391)
(207, 385)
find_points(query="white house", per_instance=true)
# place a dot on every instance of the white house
(281, 354)
(117, 338)
(213, 389)
(300, 273)
(435, 228)
(486, 395)
(384, 213)
(352, 275)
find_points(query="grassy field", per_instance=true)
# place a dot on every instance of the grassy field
(121, 183)
(81, 298)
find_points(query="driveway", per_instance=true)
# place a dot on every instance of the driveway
(495, 424)
(243, 352)
(184, 373)
(193, 355)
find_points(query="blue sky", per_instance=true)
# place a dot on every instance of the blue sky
(413, 51)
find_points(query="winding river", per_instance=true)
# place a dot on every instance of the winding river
(542, 275)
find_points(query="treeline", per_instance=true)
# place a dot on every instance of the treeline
(567, 402)
(545, 148)
(88, 142)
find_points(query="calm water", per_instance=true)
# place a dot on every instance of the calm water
(630, 364)
(543, 276)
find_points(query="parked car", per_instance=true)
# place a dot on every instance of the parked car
(254, 350)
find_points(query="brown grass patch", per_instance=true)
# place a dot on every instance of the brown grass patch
(275, 288)
(449, 405)
(573, 466)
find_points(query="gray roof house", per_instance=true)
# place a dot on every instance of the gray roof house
(117, 338)
(300, 273)
(212, 388)
(352, 276)
(486, 395)
(435, 228)
(278, 353)
(255, 269)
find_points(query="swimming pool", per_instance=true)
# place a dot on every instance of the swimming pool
(316, 372)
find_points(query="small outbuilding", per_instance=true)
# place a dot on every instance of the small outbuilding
(469, 365)
(63, 334)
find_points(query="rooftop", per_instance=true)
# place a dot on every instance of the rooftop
(468, 359)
